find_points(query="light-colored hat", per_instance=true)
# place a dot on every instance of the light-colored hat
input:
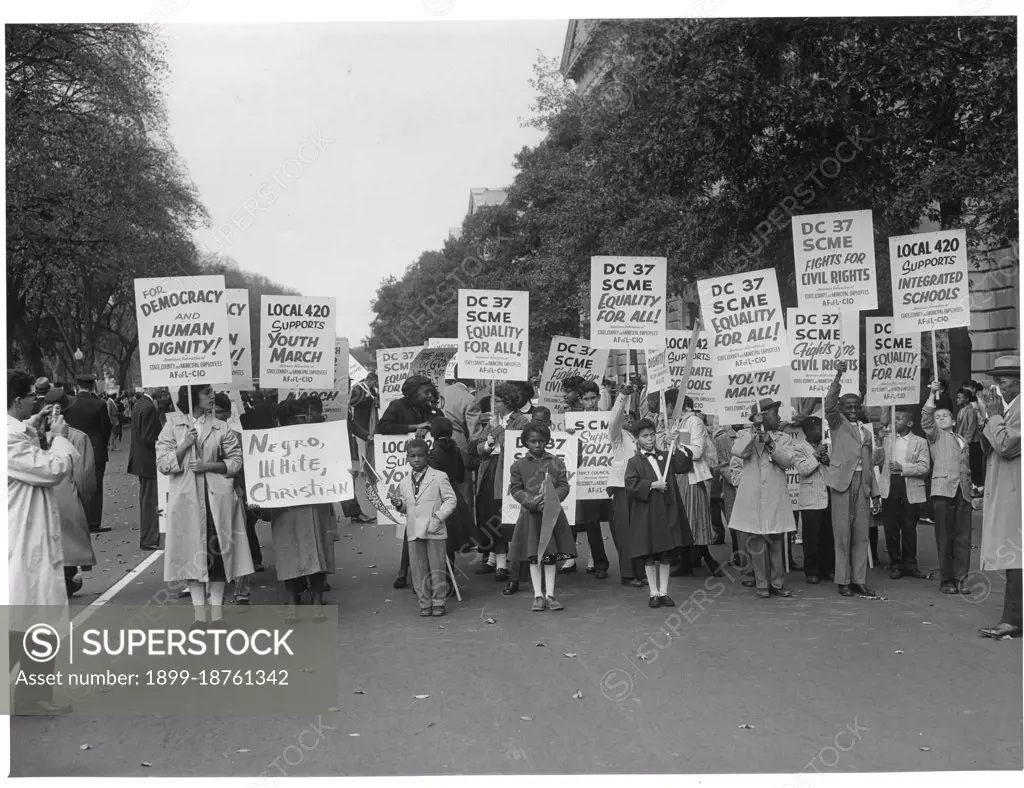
(1006, 366)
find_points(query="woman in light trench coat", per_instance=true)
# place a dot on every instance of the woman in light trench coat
(206, 543)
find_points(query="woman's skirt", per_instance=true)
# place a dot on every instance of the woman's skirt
(697, 505)
(526, 536)
(302, 541)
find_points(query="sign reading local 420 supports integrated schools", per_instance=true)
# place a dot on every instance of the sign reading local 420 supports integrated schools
(183, 331)
(743, 318)
(929, 281)
(494, 336)
(569, 357)
(296, 342)
(240, 336)
(564, 446)
(300, 465)
(701, 387)
(628, 302)
(740, 390)
(835, 261)
(893, 365)
(817, 342)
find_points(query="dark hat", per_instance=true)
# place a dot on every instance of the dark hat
(85, 379)
(766, 403)
(42, 385)
(57, 397)
(1006, 366)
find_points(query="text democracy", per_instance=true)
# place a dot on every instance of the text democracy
(183, 298)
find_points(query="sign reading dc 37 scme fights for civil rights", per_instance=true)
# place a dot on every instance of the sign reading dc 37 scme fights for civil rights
(743, 317)
(835, 261)
(893, 365)
(183, 331)
(240, 338)
(296, 342)
(929, 281)
(494, 334)
(817, 342)
(569, 357)
(628, 303)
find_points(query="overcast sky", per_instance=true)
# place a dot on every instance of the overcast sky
(409, 117)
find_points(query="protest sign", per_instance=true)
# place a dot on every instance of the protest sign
(567, 357)
(335, 400)
(929, 281)
(494, 334)
(792, 474)
(835, 261)
(432, 363)
(591, 430)
(391, 465)
(744, 316)
(183, 331)
(563, 446)
(435, 342)
(658, 377)
(356, 372)
(239, 338)
(297, 342)
(392, 371)
(300, 465)
(701, 384)
(627, 302)
(818, 340)
(740, 390)
(893, 364)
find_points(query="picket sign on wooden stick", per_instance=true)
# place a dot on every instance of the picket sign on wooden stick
(935, 357)
(668, 458)
(451, 572)
(691, 351)
(785, 552)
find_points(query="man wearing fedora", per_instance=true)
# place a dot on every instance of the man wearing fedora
(88, 414)
(1001, 544)
(763, 512)
(851, 478)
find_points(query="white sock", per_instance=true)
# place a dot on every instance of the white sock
(491, 559)
(502, 561)
(663, 578)
(651, 571)
(570, 563)
(217, 600)
(197, 591)
(590, 564)
(550, 572)
(537, 578)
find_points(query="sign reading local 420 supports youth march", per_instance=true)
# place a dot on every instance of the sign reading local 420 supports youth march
(743, 317)
(564, 447)
(296, 342)
(894, 364)
(569, 357)
(835, 261)
(818, 341)
(300, 465)
(183, 331)
(494, 336)
(929, 281)
(240, 336)
(627, 302)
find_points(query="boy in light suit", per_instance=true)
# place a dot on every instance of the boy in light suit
(901, 483)
(427, 499)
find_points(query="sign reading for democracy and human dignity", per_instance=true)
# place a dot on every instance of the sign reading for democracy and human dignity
(817, 342)
(893, 364)
(391, 463)
(494, 335)
(433, 364)
(296, 342)
(240, 338)
(929, 281)
(563, 446)
(183, 331)
(392, 371)
(627, 302)
(743, 316)
(569, 357)
(835, 261)
(740, 390)
(701, 386)
(300, 465)
(595, 457)
(335, 400)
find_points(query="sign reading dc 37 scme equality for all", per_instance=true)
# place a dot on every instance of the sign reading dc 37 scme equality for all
(183, 331)
(628, 302)
(494, 334)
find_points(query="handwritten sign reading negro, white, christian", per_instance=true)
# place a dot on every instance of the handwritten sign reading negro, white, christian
(183, 331)
(591, 429)
(835, 261)
(743, 315)
(701, 386)
(627, 302)
(893, 365)
(740, 390)
(240, 337)
(563, 446)
(929, 281)
(300, 465)
(392, 371)
(817, 341)
(296, 342)
(494, 336)
(569, 357)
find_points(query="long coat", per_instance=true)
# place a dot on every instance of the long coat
(762, 496)
(186, 548)
(145, 431)
(1001, 545)
(35, 556)
(657, 521)
(88, 414)
(71, 494)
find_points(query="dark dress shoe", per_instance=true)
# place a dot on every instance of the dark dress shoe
(400, 582)
(862, 589)
(149, 547)
(501, 575)
(895, 573)
(763, 593)
(717, 572)
(845, 590)
(425, 612)
(654, 601)
(780, 592)
(632, 582)
(485, 569)
(101, 529)
(600, 574)
(667, 601)
(511, 588)
(949, 588)
(748, 583)
(812, 580)
(259, 568)
(915, 573)
(1001, 631)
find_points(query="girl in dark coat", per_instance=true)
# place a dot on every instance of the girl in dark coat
(657, 521)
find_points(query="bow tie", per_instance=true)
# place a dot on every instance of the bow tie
(651, 454)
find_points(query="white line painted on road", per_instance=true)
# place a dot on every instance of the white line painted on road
(111, 592)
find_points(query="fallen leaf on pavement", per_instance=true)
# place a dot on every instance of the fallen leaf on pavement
(489, 620)
(578, 694)
(540, 645)
(926, 622)
(926, 749)
(243, 750)
(353, 734)
(372, 566)
(898, 651)
(146, 764)
(333, 708)
(421, 697)
(431, 724)
(526, 719)
(570, 654)
(85, 747)
(745, 727)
